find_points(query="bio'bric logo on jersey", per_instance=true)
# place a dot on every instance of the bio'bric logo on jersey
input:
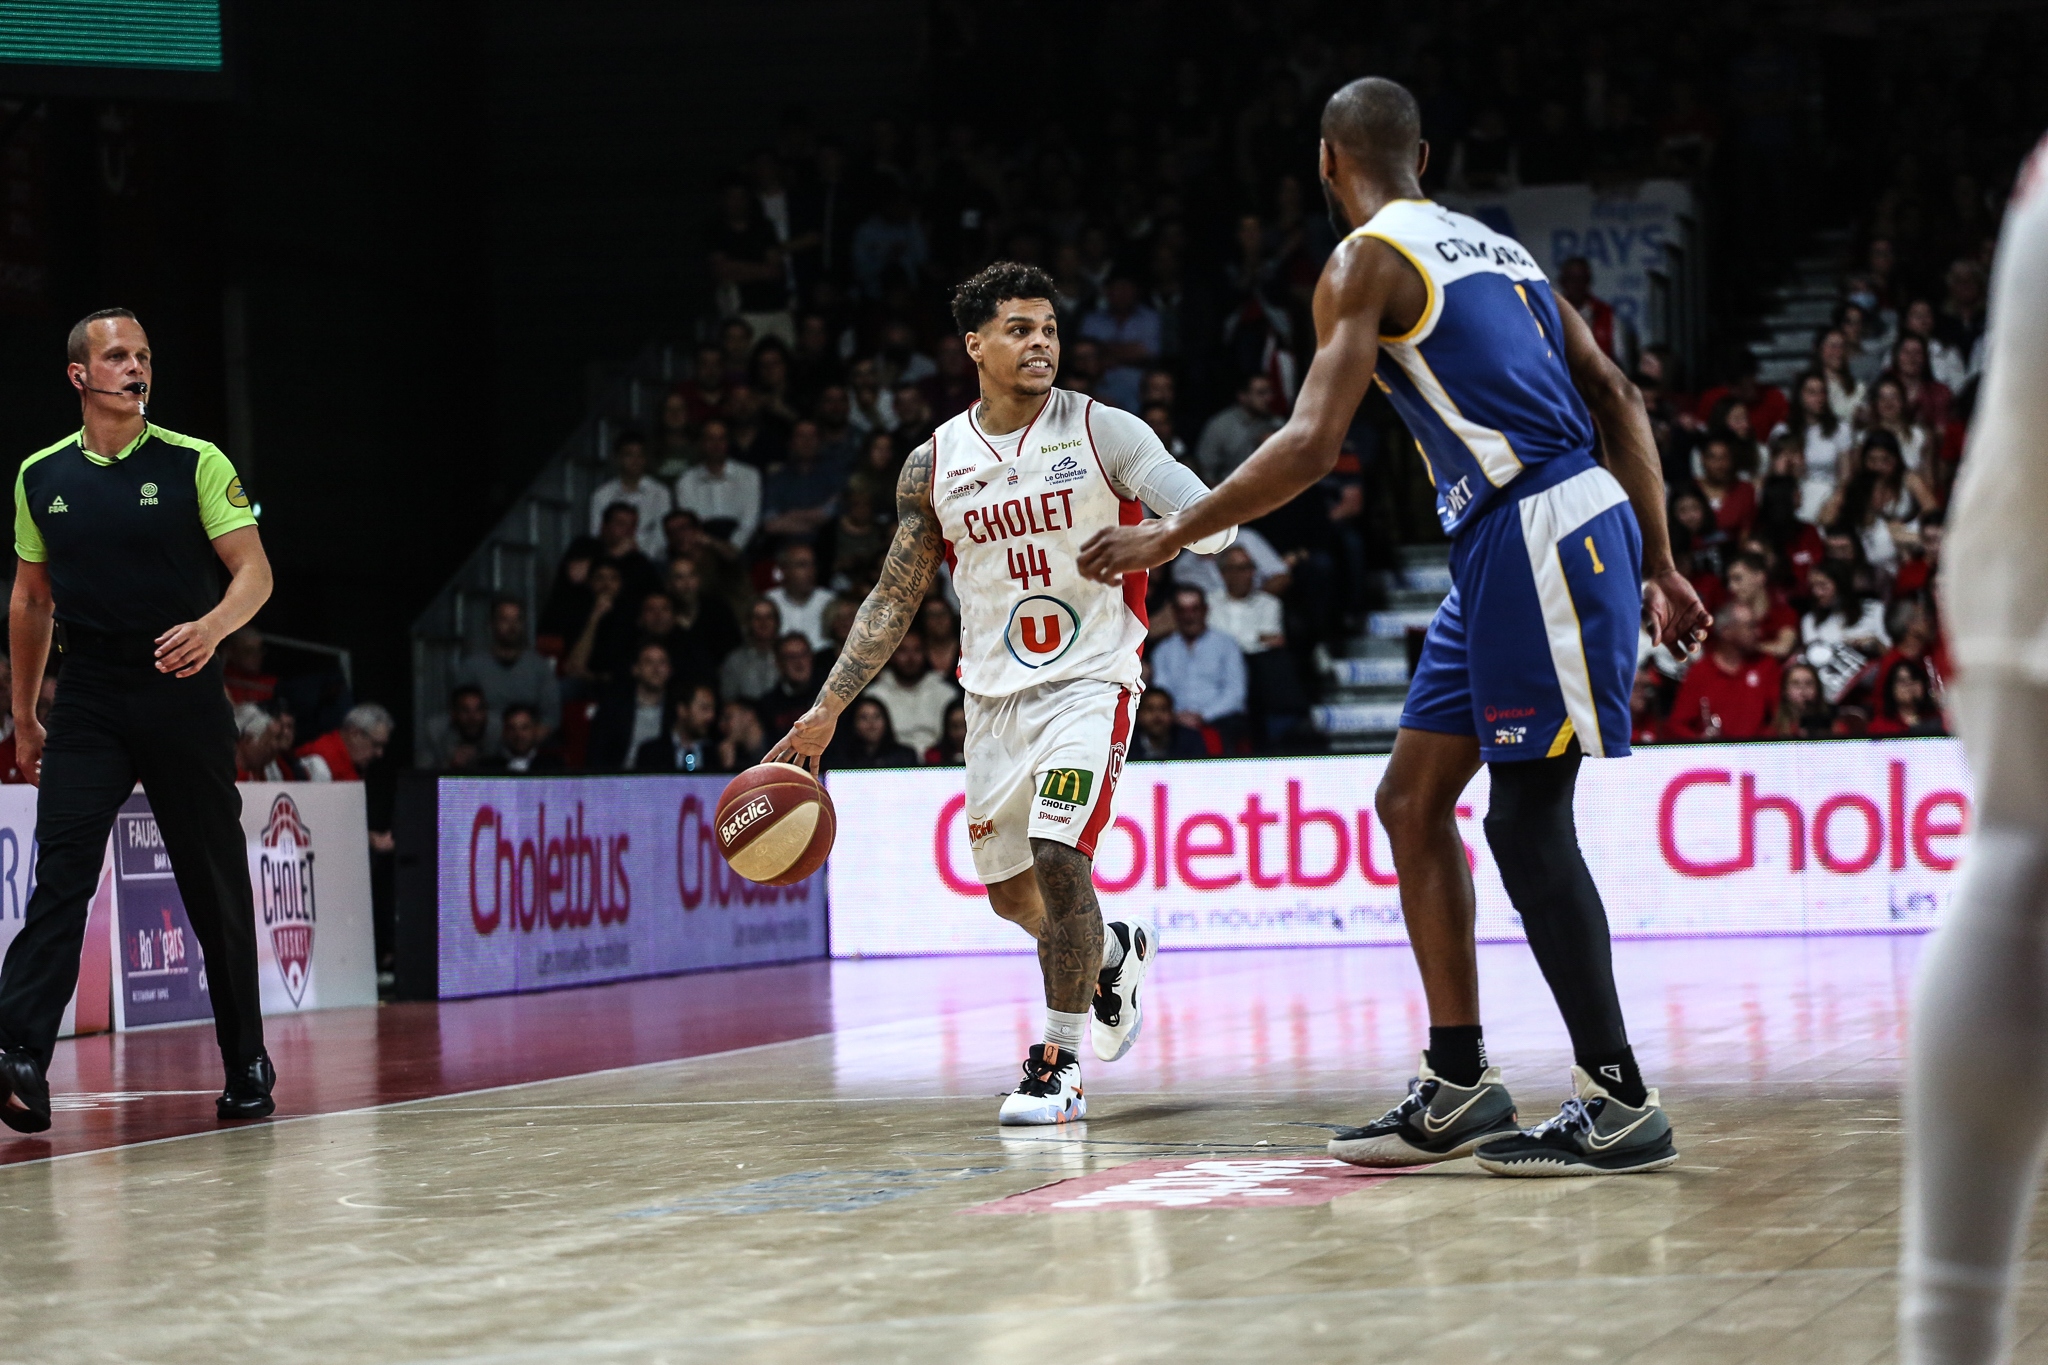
(1041, 630)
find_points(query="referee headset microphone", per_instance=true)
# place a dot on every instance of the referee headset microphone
(139, 388)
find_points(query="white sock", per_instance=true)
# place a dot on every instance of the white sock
(1112, 947)
(1063, 1031)
(1977, 1085)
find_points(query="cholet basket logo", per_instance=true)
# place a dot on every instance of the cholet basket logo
(284, 893)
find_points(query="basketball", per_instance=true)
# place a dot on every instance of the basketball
(775, 824)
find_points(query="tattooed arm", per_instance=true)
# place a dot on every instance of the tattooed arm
(907, 572)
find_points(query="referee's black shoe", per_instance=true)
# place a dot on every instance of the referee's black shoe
(248, 1092)
(24, 1094)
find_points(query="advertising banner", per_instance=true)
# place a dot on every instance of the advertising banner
(1828, 837)
(309, 867)
(545, 882)
(1621, 232)
(88, 1009)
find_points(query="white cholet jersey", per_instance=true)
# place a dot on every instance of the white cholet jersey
(1015, 510)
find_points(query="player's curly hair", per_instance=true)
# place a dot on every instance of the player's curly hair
(977, 298)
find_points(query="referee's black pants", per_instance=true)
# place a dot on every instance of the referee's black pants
(117, 721)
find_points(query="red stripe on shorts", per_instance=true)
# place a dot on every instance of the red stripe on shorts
(1112, 768)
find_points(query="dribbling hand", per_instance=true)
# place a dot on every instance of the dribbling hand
(806, 740)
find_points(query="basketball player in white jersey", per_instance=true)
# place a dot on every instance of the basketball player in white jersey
(1977, 1088)
(1548, 484)
(1005, 493)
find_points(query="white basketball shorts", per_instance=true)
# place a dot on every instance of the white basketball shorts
(1042, 764)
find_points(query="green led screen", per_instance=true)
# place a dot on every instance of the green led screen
(165, 35)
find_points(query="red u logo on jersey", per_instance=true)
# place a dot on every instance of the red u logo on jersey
(1030, 628)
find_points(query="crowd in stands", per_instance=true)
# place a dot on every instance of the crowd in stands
(1181, 222)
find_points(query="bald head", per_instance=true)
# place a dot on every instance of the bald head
(1377, 123)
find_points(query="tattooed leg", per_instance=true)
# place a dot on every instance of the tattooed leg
(1070, 949)
(1017, 900)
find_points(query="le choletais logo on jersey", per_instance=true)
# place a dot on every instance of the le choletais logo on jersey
(1068, 470)
(284, 893)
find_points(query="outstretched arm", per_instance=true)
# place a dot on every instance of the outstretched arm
(1671, 608)
(907, 573)
(1350, 298)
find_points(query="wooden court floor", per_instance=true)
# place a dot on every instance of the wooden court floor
(837, 1190)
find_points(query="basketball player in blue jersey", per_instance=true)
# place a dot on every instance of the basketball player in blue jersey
(1547, 482)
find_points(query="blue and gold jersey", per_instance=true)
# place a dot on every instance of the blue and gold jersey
(1480, 378)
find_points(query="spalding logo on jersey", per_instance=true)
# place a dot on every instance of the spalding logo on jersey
(1041, 629)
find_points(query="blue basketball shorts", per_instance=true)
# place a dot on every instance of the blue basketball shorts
(1537, 642)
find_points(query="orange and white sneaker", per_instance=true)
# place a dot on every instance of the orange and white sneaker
(1050, 1091)
(1119, 1013)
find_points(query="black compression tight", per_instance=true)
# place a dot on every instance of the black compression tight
(1536, 845)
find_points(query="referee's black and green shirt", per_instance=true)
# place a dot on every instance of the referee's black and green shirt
(129, 539)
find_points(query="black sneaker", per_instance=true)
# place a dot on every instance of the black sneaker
(24, 1094)
(1593, 1134)
(248, 1091)
(1438, 1121)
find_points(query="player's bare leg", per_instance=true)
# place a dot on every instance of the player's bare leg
(1016, 899)
(1418, 804)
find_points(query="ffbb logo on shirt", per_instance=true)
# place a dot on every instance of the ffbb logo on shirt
(149, 491)
(1069, 786)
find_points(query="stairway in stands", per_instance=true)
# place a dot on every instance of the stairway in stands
(1366, 682)
(1799, 308)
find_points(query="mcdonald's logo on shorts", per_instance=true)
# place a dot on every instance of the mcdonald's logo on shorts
(1068, 785)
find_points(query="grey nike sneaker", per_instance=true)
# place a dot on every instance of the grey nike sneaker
(1593, 1134)
(1438, 1121)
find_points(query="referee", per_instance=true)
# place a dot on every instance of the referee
(117, 529)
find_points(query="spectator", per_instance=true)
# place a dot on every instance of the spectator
(242, 668)
(725, 494)
(1614, 335)
(870, 741)
(748, 265)
(838, 437)
(940, 626)
(756, 436)
(633, 487)
(839, 615)
(1824, 438)
(1845, 391)
(889, 247)
(1270, 569)
(951, 750)
(742, 741)
(1927, 398)
(897, 359)
(1864, 352)
(702, 395)
(342, 755)
(1203, 668)
(796, 685)
(519, 745)
(749, 672)
(1731, 420)
(1645, 726)
(460, 740)
(1128, 333)
(568, 600)
(1790, 538)
(956, 385)
(607, 632)
(870, 407)
(703, 630)
(1732, 692)
(802, 493)
(815, 362)
(1159, 417)
(1766, 405)
(798, 597)
(914, 421)
(1958, 351)
(1879, 502)
(1730, 497)
(856, 540)
(1913, 444)
(1159, 733)
(771, 384)
(1774, 624)
(915, 696)
(1922, 561)
(510, 672)
(1803, 711)
(1907, 709)
(1242, 611)
(634, 711)
(1234, 433)
(260, 755)
(618, 544)
(1841, 632)
(686, 746)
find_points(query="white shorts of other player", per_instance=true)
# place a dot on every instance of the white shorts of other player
(1042, 763)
